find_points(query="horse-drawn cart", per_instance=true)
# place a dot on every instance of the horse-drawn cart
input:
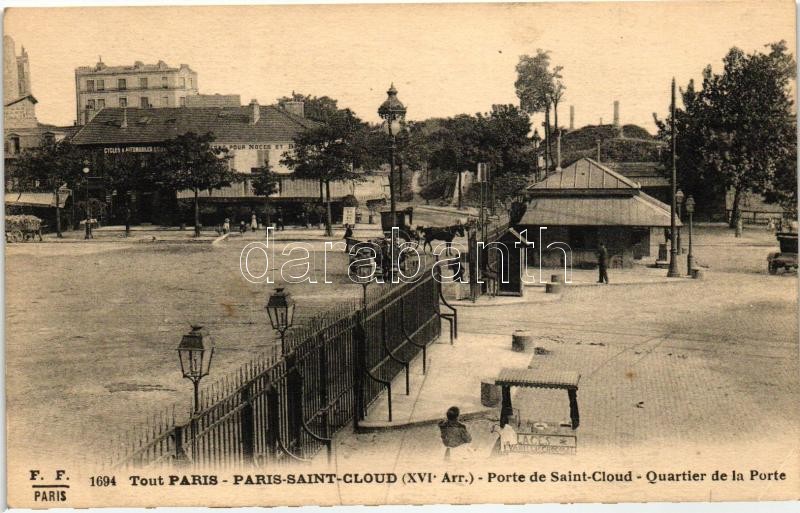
(22, 228)
(786, 258)
(403, 222)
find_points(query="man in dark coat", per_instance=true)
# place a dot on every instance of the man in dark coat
(453, 432)
(602, 263)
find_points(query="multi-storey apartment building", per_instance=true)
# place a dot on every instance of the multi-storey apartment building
(141, 85)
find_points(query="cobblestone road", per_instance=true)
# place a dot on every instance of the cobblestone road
(664, 367)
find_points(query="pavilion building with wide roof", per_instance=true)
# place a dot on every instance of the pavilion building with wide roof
(586, 204)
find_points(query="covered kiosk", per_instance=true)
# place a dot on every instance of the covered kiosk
(511, 245)
(586, 204)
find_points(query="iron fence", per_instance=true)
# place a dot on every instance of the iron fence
(285, 408)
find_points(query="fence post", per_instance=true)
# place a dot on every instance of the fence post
(247, 426)
(273, 422)
(359, 368)
(180, 454)
(194, 433)
(323, 384)
(294, 396)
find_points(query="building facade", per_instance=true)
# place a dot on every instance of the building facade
(21, 129)
(253, 135)
(142, 86)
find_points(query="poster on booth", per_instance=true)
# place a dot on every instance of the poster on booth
(349, 215)
(176, 355)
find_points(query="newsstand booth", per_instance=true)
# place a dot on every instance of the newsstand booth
(513, 263)
(531, 436)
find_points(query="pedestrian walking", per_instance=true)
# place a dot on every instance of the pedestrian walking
(348, 237)
(602, 263)
(279, 215)
(253, 222)
(226, 226)
(242, 227)
(454, 434)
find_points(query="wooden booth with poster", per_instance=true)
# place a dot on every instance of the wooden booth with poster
(510, 266)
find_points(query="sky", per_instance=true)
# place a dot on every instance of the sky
(444, 59)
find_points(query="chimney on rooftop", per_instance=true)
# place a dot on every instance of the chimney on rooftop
(298, 108)
(255, 111)
(572, 117)
(616, 114)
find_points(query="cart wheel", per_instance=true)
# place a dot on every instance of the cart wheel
(17, 236)
(772, 268)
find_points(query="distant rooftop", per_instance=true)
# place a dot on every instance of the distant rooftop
(585, 174)
(138, 67)
(228, 124)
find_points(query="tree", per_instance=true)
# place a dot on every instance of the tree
(555, 98)
(737, 132)
(456, 146)
(499, 139)
(330, 152)
(315, 108)
(50, 167)
(535, 86)
(190, 161)
(265, 183)
(509, 188)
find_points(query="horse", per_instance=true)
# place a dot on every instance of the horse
(446, 234)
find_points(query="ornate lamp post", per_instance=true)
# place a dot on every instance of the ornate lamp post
(195, 352)
(280, 308)
(689, 257)
(394, 113)
(86, 170)
(679, 196)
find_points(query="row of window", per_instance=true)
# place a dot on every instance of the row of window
(122, 84)
(14, 145)
(144, 102)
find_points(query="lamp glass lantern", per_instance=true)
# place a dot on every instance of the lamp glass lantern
(195, 352)
(392, 111)
(690, 205)
(679, 197)
(280, 308)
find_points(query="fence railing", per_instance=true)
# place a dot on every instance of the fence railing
(285, 408)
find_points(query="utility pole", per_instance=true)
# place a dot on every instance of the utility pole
(673, 249)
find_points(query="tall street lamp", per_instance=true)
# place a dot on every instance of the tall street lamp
(195, 352)
(394, 113)
(280, 308)
(88, 234)
(689, 257)
(679, 196)
(673, 250)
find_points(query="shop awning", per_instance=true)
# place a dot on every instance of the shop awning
(36, 199)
